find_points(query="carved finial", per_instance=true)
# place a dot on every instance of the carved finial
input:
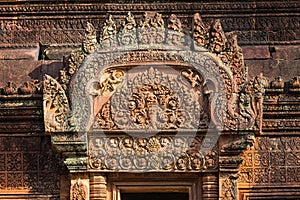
(174, 23)
(128, 35)
(108, 36)
(55, 105)
(90, 41)
(200, 31)
(295, 82)
(175, 35)
(218, 39)
(232, 43)
(158, 21)
(129, 23)
(154, 20)
(152, 28)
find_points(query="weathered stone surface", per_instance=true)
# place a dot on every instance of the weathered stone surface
(256, 52)
(19, 54)
(58, 52)
(272, 68)
(270, 33)
(286, 52)
(20, 71)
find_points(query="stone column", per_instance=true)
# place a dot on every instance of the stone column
(98, 186)
(210, 186)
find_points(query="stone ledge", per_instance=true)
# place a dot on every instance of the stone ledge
(20, 54)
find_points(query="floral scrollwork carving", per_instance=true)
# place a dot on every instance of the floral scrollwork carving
(109, 33)
(152, 101)
(127, 35)
(56, 106)
(152, 29)
(90, 42)
(229, 188)
(201, 34)
(160, 153)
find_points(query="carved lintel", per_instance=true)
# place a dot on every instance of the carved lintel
(159, 153)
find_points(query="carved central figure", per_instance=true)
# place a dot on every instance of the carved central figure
(155, 106)
(153, 100)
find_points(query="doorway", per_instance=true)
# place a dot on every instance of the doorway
(155, 196)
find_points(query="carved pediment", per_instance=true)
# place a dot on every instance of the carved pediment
(148, 81)
(214, 56)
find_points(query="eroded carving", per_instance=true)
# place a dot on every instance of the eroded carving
(175, 35)
(89, 43)
(108, 36)
(128, 33)
(229, 189)
(79, 190)
(152, 29)
(201, 34)
(56, 106)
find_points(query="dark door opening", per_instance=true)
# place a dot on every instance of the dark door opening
(155, 196)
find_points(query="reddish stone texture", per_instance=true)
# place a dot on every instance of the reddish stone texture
(256, 52)
(273, 61)
(286, 52)
(19, 54)
(20, 71)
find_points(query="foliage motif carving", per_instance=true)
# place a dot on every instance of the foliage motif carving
(152, 29)
(201, 34)
(229, 188)
(108, 36)
(127, 34)
(89, 43)
(56, 106)
(152, 103)
(79, 190)
(175, 35)
(159, 153)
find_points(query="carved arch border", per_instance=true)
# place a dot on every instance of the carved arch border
(209, 66)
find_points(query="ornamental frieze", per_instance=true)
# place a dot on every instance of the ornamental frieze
(157, 153)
